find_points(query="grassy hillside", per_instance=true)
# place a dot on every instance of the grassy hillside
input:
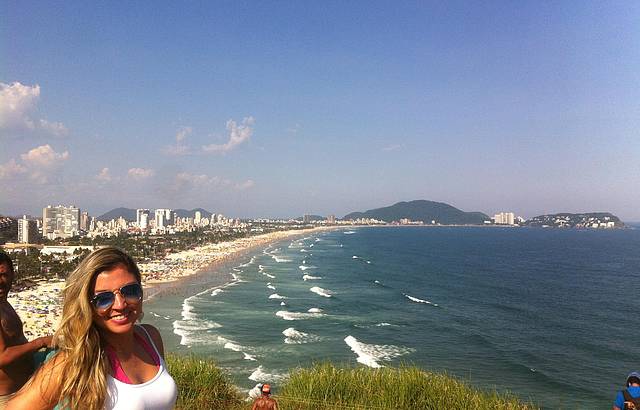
(202, 385)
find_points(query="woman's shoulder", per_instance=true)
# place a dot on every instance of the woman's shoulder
(155, 336)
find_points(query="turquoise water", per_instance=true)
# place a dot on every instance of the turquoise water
(546, 314)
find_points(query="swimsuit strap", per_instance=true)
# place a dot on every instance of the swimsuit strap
(147, 345)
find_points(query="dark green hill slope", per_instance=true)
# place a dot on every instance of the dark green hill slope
(422, 210)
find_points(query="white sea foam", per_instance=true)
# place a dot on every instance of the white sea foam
(349, 232)
(192, 331)
(306, 267)
(261, 268)
(160, 316)
(233, 346)
(259, 375)
(304, 250)
(283, 304)
(216, 292)
(248, 356)
(279, 259)
(370, 355)
(311, 246)
(377, 282)
(244, 265)
(293, 336)
(354, 257)
(268, 275)
(286, 315)
(322, 292)
(309, 277)
(276, 296)
(271, 287)
(315, 310)
(411, 298)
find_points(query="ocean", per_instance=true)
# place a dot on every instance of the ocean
(547, 314)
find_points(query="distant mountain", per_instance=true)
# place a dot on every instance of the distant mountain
(425, 211)
(130, 214)
(126, 213)
(183, 213)
(584, 220)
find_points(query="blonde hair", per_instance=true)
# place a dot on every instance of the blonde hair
(84, 363)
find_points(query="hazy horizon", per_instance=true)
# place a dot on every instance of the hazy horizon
(284, 109)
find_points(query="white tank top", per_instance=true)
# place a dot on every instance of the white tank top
(159, 393)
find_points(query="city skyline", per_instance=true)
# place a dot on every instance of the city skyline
(284, 109)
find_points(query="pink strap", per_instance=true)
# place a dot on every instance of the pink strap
(118, 372)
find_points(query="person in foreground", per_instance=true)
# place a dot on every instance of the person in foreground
(265, 402)
(16, 354)
(629, 398)
(105, 360)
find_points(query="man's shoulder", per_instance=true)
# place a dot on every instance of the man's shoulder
(634, 391)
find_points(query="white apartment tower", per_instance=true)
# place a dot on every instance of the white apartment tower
(23, 230)
(60, 221)
(198, 218)
(140, 214)
(504, 218)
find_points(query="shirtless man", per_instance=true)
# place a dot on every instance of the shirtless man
(16, 353)
(265, 402)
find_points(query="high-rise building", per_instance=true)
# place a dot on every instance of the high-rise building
(504, 218)
(140, 214)
(27, 230)
(144, 220)
(306, 219)
(84, 221)
(198, 218)
(60, 221)
(331, 219)
(160, 218)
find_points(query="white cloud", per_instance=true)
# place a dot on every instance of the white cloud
(185, 181)
(104, 175)
(140, 173)
(180, 148)
(17, 104)
(248, 184)
(238, 134)
(44, 157)
(393, 147)
(40, 164)
(10, 169)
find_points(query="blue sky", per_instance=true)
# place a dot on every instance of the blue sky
(284, 108)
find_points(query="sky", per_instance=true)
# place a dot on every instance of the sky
(284, 108)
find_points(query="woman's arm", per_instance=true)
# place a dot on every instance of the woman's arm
(42, 391)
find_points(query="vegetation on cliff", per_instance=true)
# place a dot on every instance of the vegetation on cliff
(202, 385)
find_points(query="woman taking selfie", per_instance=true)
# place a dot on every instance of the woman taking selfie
(104, 360)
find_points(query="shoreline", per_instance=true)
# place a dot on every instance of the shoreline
(40, 309)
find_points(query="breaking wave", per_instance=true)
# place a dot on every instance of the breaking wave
(370, 355)
(411, 298)
(322, 292)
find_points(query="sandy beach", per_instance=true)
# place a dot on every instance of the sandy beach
(39, 306)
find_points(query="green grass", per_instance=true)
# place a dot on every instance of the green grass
(202, 385)
(326, 386)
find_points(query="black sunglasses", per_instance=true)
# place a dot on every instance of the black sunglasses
(132, 293)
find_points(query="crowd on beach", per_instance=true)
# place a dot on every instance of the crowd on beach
(39, 305)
